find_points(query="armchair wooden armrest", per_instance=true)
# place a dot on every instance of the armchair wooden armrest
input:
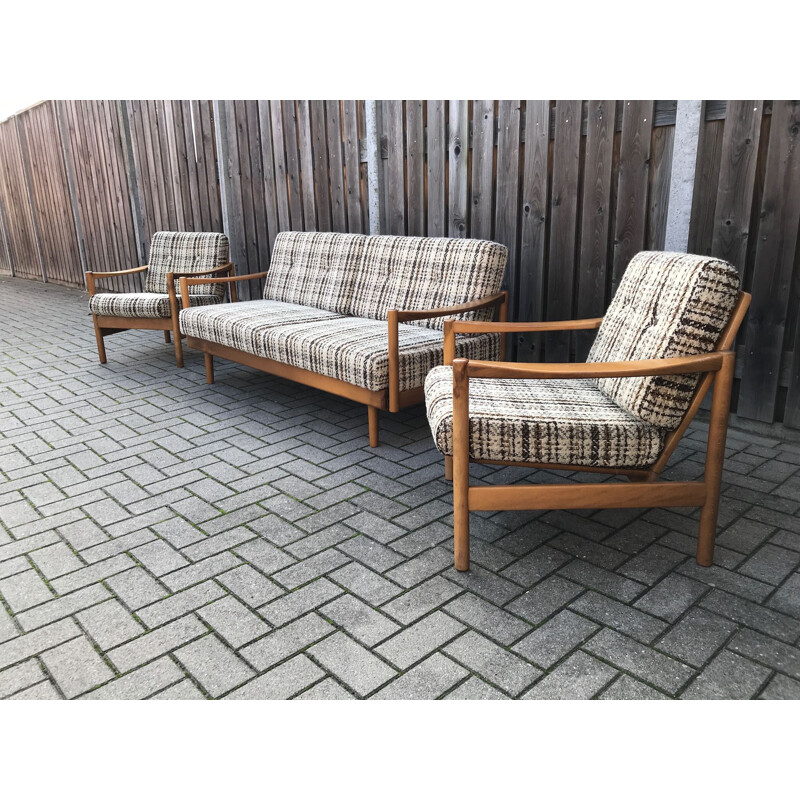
(91, 277)
(474, 305)
(185, 283)
(173, 276)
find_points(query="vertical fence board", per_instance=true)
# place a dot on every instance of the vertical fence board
(658, 192)
(437, 150)
(458, 153)
(481, 210)
(415, 167)
(334, 145)
(352, 165)
(303, 122)
(392, 117)
(268, 187)
(506, 221)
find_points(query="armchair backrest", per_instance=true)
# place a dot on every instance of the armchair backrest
(412, 272)
(172, 251)
(667, 305)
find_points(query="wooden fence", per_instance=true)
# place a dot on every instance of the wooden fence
(573, 188)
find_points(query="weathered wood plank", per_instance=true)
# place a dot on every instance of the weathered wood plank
(415, 167)
(436, 146)
(736, 180)
(774, 265)
(322, 178)
(629, 234)
(658, 190)
(290, 128)
(336, 162)
(281, 171)
(483, 148)
(355, 208)
(394, 169)
(304, 137)
(268, 177)
(458, 152)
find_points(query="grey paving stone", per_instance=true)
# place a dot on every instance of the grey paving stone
(136, 588)
(62, 607)
(140, 683)
(281, 682)
(217, 544)
(202, 570)
(535, 566)
(781, 657)
(76, 667)
(184, 690)
(56, 560)
(627, 688)
(772, 623)
(286, 641)
(651, 564)
(92, 574)
(781, 688)
(40, 691)
(420, 567)
(727, 677)
(771, 564)
(109, 624)
(24, 590)
(361, 621)
(492, 662)
(213, 665)
(670, 598)
(697, 637)
(369, 552)
(231, 620)
(159, 558)
(326, 690)
(580, 677)
(351, 663)
(178, 604)
(545, 598)
(557, 637)
(745, 535)
(156, 643)
(311, 568)
(787, 598)
(29, 644)
(368, 585)
(250, 585)
(300, 601)
(264, 556)
(618, 616)
(20, 677)
(480, 581)
(475, 689)
(417, 602)
(427, 681)
(420, 639)
(603, 581)
(631, 656)
(487, 618)
(716, 576)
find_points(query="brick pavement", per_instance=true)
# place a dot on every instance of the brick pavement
(161, 538)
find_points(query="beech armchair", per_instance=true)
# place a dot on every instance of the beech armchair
(172, 256)
(666, 339)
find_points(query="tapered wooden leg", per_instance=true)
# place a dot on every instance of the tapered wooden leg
(209, 367)
(461, 464)
(166, 337)
(101, 347)
(448, 468)
(715, 456)
(178, 351)
(372, 414)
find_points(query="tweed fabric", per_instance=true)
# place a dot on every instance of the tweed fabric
(667, 305)
(144, 305)
(314, 269)
(185, 252)
(542, 422)
(352, 349)
(409, 273)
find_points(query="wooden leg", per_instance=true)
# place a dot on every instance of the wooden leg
(166, 337)
(178, 351)
(372, 414)
(448, 468)
(101, 347)
(461, 464)
(209, 367)
(715, 456)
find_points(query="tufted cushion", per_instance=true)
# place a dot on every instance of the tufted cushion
(409, 272)
(351, 349)
(314, 269)
(542, 422)
(185, 252)
(141, 304)
(667, 305)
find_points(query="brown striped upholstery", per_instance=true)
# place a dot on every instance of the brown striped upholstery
(667, 305)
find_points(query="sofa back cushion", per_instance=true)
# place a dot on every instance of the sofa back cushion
(409, 272)
(314, 269)
(667, 305)
(172, 251)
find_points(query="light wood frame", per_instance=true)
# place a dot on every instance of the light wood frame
(390, 399)
(645, 489)
(108, 325)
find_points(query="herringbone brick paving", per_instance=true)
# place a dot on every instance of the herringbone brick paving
(167, 539)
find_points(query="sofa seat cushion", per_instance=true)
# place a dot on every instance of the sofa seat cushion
(352, 349)
(145, 305)
(542, 422)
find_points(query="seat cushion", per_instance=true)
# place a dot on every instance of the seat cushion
(568, 422)
(352, 349)
(667, 305)
(172, 251)
(410, 272)
(314, 269)
(145, 305)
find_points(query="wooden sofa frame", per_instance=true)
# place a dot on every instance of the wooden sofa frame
(107, 325)
(390, 399)
(645, 489)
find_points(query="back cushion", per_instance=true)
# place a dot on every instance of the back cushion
(408, 273)
(186, 252)
(667, 305)
(314, 269)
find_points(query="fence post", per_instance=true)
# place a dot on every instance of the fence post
(374, 166)
(681, 184)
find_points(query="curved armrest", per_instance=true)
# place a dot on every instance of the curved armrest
(91, 277)
(232, 279)
(172, 276)
(461, 308)
(708, 362)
